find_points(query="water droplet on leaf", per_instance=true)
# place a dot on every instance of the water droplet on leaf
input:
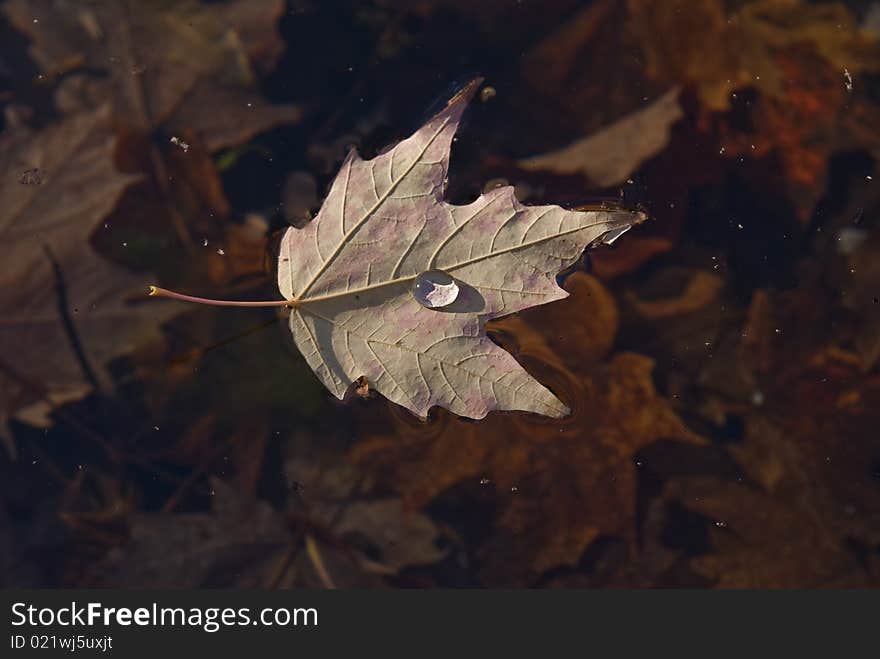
(434, 289)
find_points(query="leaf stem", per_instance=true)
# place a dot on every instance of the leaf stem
(155, 291)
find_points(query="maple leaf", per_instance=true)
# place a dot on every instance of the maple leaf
(45, 227)
(349, 275)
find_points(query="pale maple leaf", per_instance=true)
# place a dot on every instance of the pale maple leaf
(349, 274)
(392, 284)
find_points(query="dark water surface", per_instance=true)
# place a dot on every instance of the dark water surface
(720, 361)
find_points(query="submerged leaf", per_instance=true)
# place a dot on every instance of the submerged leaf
(607, 157)
(50, 264)
(349, 276)
(161, 64)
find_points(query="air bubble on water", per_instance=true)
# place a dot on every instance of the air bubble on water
(484, 481)
(221, 252)
(435, 289)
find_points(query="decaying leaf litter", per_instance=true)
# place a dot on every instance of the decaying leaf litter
(722, 353)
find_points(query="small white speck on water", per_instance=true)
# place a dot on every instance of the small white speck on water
(484, 481)
(869, 178)
(204, 242)
(221, 252)
(179, 142)
(514, 489)
(758, 398)
(847, 80)
(739, 226)
(720, 524)
(125, 244)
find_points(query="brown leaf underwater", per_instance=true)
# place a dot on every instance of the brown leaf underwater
(164, 62)
(47, 228)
